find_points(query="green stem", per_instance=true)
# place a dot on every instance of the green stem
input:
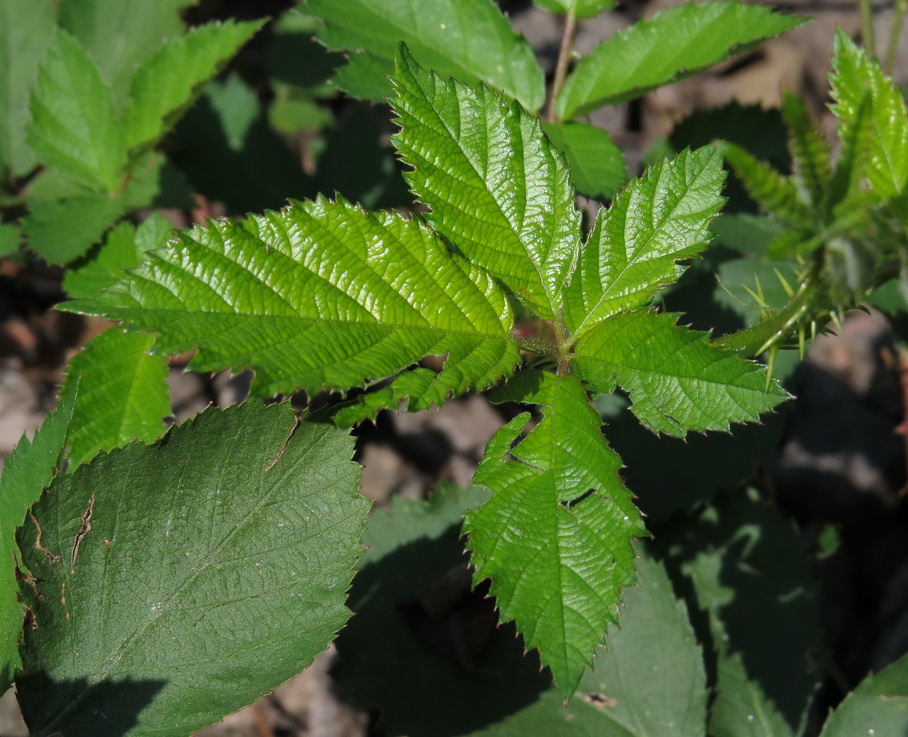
(561, 67)
(867, 37)
(895, 32)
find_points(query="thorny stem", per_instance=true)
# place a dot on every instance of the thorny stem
(895, 32)
(867, 38)
(561, 67)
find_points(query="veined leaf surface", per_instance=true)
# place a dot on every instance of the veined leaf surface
(555, 536)
(672, 45)
(320, 294)
(636, 244)
(676, 379)
(469, 39)
(500, 192)
(859, 82)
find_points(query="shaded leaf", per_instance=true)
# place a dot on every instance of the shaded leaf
(555, 537)
(74, 126)
(169, 81)
(9, 239)
(597, 168)
(469, 39)
(879, 705)
(122, 393)
(677, 380)
(62, 230)
(500, 193)
(319, 295)
(121, 35)
(809, 151)
(671, 45)
(26, 28)
(774, 194)
(238, 516)
(634, 248)
(31, 466)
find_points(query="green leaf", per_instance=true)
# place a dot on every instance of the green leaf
(676, 379)
(809, 150)
(74, 126)
(419, 629)
(122, 393)
(320, 295)
(774, 194)
(9, 239)
(225, 551)
(26, 28)
(121, 35)
(597, 168)
(879, 705)
(166, 84)
(62, 230)
(857, 81)
(30, 468)
(671, 45)
(555, 537)
(634, 248)
(579, 8)
(469, 39)
(122, 249)
(500, 193)
(760, 613)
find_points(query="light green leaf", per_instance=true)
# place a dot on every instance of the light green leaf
(122, 393)
(225, 552)
(555, 537)
(166, 84)
(857, 82)
(62, 230)
(775, 194)
(237, 106)
(636, 244)
(121, 35)
(30, 468)
(879, 705)
(121, 250)
(26, 28)
(579, 8)
(671, 45)
(468, 39)
(500, 193)
(676, 379)
(320, 295)
(597, 168)
(74, 126)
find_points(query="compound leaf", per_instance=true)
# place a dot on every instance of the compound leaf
(74, 125)
(501, 194)
(119, 36)
(672, 45)
(636, 244)
(214, 562)
(555, 537)
(676, 379)
(858, 82)
(26, 28)
(879, 705)
(469, 39)
(30, 468)
(165, 85)
(319, 295)
(122, 393)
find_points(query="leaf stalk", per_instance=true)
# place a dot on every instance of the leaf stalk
(564, 59)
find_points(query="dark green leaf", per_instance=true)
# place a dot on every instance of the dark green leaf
(597, 168)
(225, 551)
